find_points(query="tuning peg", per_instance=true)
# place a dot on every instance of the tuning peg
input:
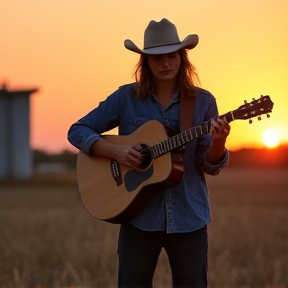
(245, 101)
(268, 115)
(253, 99)
(259, 118)
(250, 121)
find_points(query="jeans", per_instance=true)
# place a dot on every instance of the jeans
(139, 251)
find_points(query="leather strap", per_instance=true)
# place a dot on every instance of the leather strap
(186, 113)
(186, 120)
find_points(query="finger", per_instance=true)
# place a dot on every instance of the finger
(226, 126)
(130, 160)
(133, 160)
(215, 126)
(225, 120)
(135, 154)
(221, 122)
(214, 130)
(127, 162)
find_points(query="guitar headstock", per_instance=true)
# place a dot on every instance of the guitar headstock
(257, 107)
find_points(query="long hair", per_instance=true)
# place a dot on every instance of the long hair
(187, 78)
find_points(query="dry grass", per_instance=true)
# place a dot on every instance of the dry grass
(49, 240)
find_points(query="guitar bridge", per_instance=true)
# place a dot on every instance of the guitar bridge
(116, 172)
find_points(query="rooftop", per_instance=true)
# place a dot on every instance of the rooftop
(4, 91)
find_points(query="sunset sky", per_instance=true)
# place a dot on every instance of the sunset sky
(73, 52)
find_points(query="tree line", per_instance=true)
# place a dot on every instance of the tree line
(264, 157)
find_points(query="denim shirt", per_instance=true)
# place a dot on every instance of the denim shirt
(185, 207)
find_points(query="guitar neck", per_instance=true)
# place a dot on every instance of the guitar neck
(184, 137)
(255, 108)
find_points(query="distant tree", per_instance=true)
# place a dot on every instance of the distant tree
(264, 157)
(67, 158)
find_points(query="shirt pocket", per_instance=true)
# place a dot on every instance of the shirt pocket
(132, 123)
(138, 121)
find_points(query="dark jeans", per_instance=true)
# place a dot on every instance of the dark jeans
(139, 251)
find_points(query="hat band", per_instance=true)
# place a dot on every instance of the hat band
(162, 45)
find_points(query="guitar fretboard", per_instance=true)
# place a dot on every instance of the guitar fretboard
(183, 138)
(179, 140)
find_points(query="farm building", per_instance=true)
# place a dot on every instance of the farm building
(15, 151)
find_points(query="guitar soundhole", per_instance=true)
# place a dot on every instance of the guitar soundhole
(145, 150)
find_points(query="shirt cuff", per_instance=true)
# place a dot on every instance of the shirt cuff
(216, 168)
(89, 142)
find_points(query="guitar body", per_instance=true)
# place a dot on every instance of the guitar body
(115, 193)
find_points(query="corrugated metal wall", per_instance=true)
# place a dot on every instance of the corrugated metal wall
(15, 151)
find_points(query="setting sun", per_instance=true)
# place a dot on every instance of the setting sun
(270, 138)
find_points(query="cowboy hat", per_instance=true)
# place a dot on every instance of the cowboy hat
(162, 37)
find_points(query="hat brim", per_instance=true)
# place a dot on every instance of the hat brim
(189, 42)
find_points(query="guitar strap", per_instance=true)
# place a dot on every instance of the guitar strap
(186, 117)
(186, 113)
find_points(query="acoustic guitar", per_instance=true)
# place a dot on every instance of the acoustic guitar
(115, 193)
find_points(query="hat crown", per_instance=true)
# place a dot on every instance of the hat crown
(160, 34)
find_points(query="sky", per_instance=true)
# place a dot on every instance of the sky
(72, 51)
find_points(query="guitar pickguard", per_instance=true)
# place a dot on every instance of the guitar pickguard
(134, 178)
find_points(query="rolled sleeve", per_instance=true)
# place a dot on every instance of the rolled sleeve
(89, 142)
(89, 128)
(216, 169)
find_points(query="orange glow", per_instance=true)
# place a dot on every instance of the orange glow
(73, 52)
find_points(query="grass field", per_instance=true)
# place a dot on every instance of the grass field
(48, 239)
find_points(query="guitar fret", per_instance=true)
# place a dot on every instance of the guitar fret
(186, 137)
(196, 134)
(158, 149)
(182, 138)
(178, 141)
(155, 151)
(166, 146)
(170, 144)
(191, 135)
(162, 148)
(206, 128)
(174, 142)
(203, 129)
